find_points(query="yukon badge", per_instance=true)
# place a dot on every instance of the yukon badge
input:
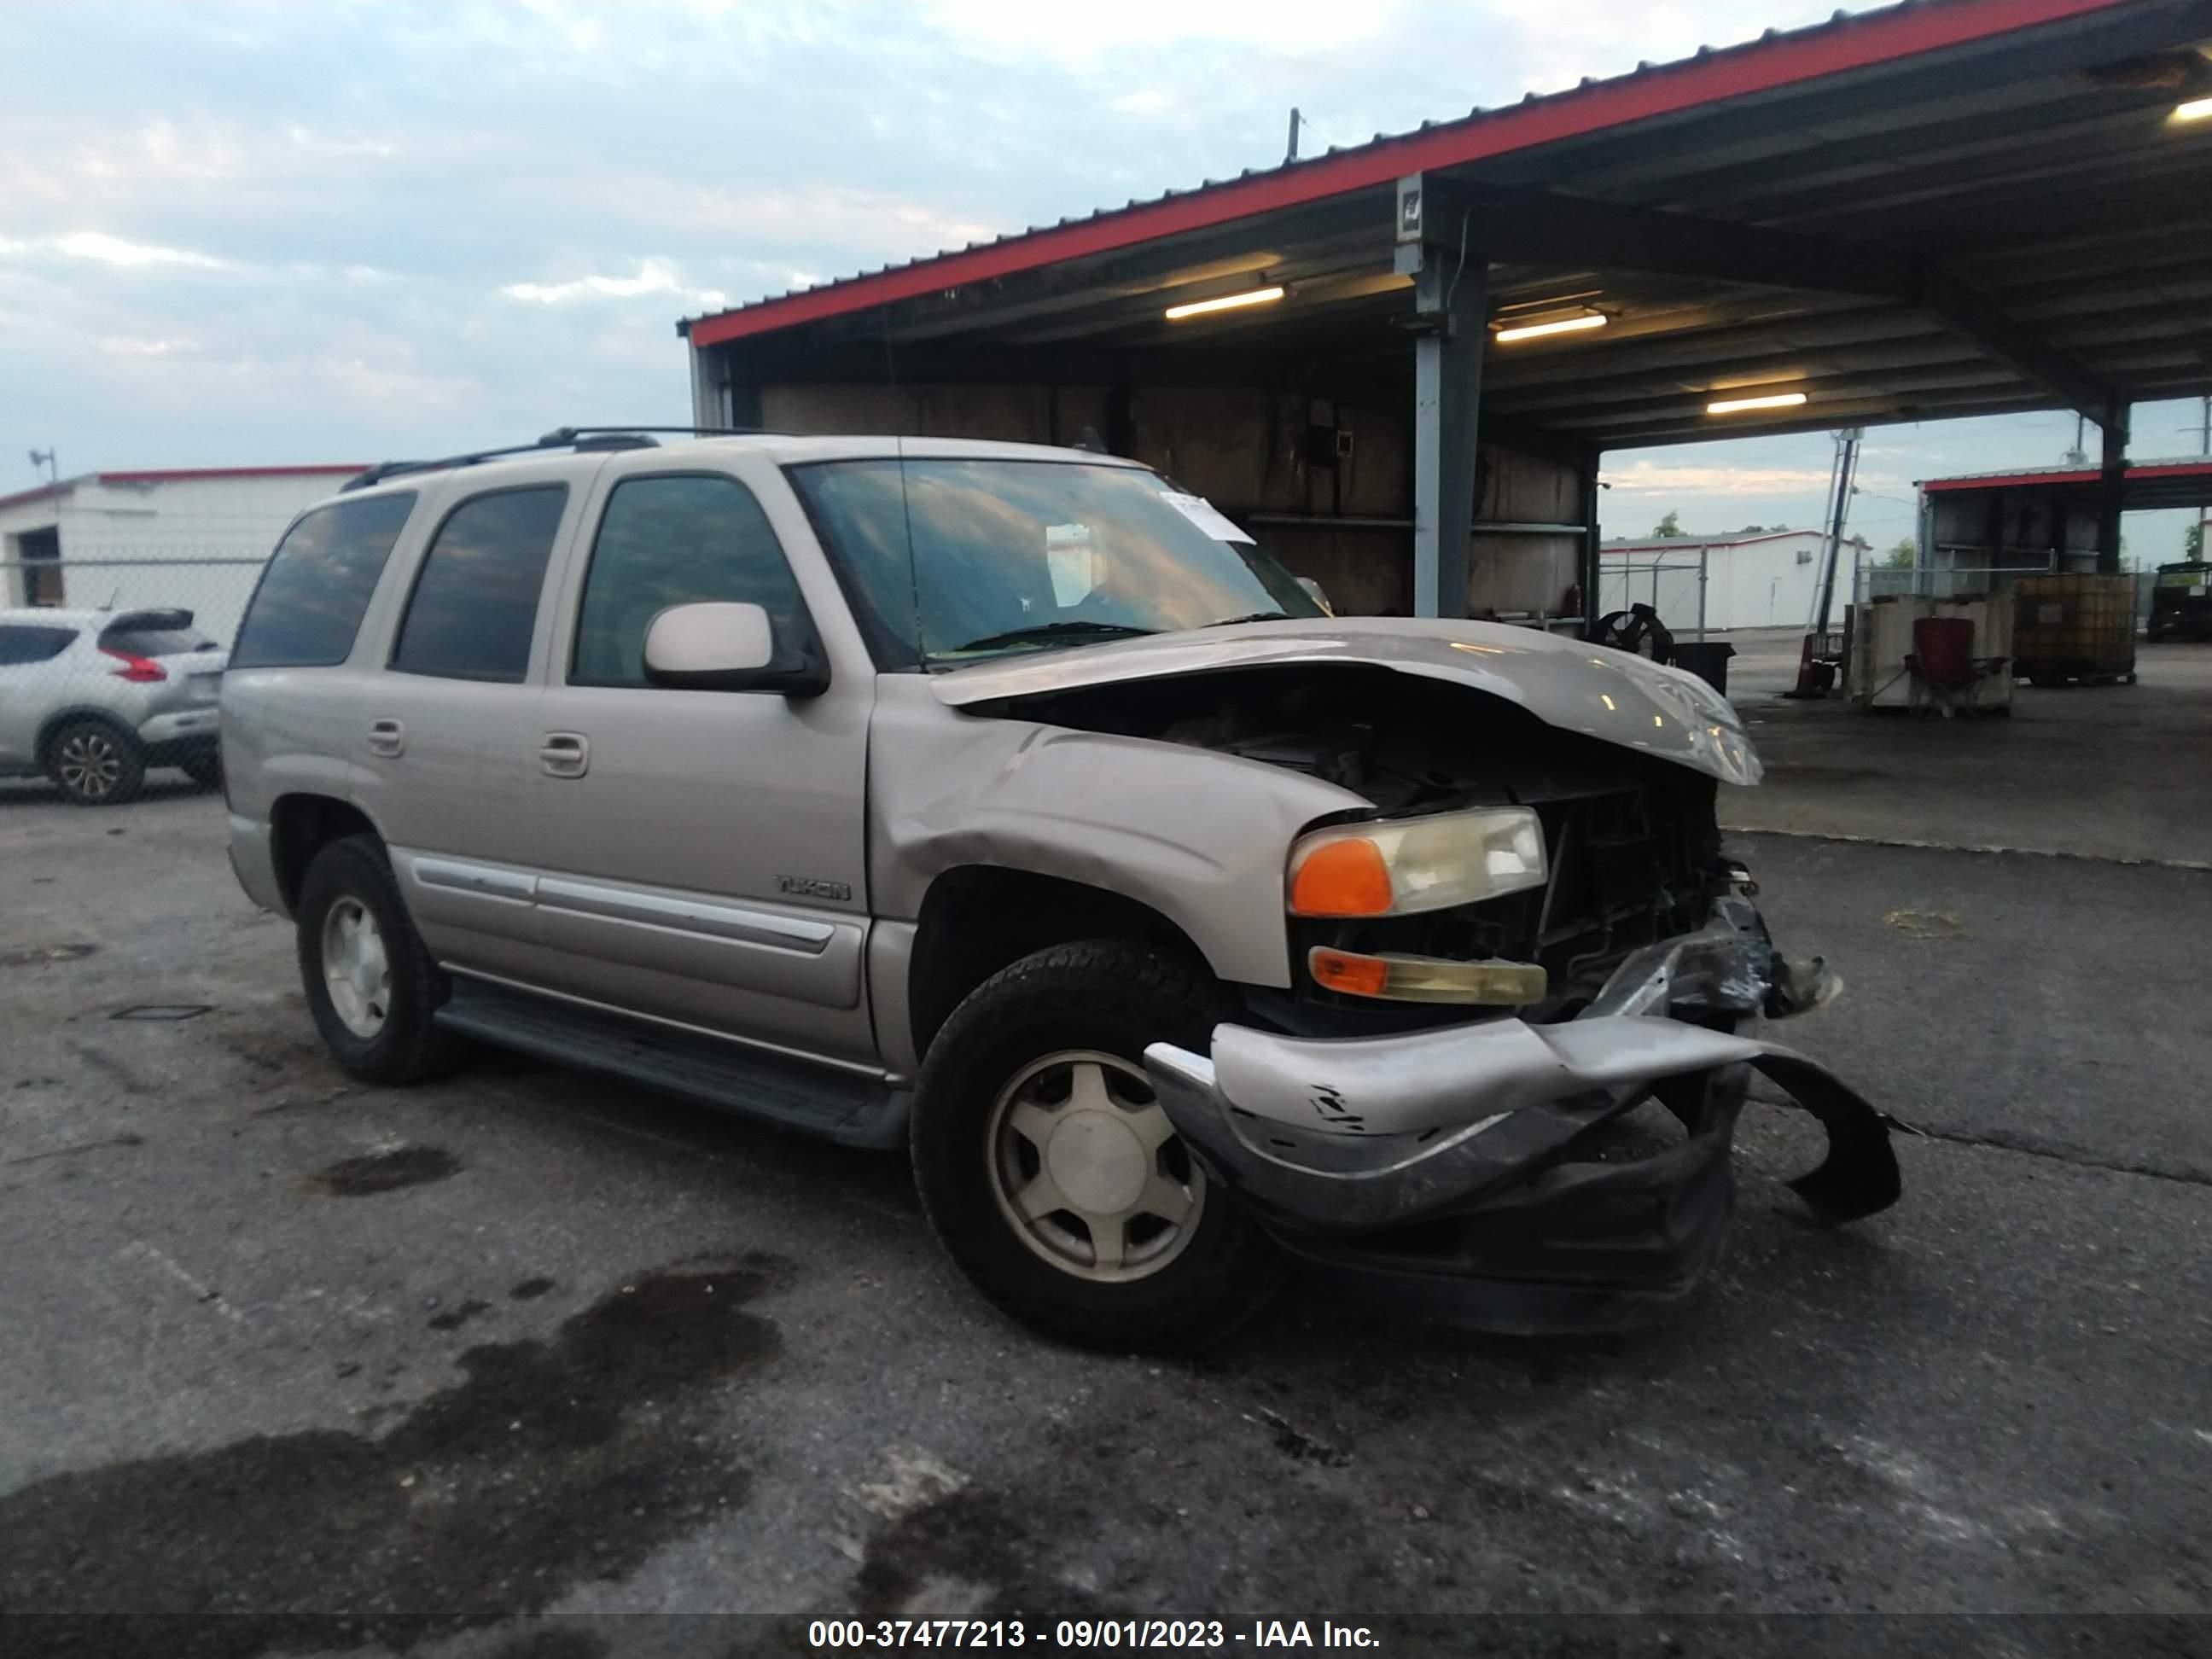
(810, 887)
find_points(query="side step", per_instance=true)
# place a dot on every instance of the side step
(840, 1106)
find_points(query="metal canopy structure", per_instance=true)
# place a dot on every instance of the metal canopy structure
(1947, 208)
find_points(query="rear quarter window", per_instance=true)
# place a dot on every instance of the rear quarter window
(317, 586)
(21, 645)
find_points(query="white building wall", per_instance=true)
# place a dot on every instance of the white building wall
(1766, 581)
(197, 543)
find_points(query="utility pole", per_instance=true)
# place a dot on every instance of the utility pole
(1847, 458)
(1291, 153)
(45, 458)
(2206, 446)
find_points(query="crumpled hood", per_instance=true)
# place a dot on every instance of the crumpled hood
(1592, 689)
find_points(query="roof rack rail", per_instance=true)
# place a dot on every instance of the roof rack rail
(568, 435)
(585, 438)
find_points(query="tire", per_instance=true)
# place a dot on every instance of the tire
(205, 770)
(351, 880)
(95, 763)
(1105, 999)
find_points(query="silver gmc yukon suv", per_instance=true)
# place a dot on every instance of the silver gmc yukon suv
(1010, 803)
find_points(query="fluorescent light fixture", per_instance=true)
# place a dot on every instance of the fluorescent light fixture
(1777, 400)
(1258, 296)
(1556, 325)
(2197, 109)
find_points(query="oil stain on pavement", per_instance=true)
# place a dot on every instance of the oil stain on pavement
(551, 1463)
(385, 1172)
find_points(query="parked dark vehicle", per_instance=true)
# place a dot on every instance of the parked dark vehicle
(2181, 602)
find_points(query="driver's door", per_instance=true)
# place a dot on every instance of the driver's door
(704, 852)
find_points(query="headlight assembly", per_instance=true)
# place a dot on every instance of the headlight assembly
(1402, 867)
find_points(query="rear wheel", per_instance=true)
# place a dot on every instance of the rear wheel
(1051, 1173)
(95, 764)
(371, 983)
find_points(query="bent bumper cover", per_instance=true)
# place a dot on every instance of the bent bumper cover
(1463, 1156)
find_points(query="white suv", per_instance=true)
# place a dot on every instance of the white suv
(93, 698)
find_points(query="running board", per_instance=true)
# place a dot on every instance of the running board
(840, 1106)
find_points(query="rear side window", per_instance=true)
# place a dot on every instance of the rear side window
(309, 605)
(19, 645)
(475, 599)
(675, 540)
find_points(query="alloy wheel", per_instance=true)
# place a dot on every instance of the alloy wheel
(1088, 1170)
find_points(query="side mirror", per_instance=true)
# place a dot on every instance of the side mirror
(725, 647)
(1314, 592)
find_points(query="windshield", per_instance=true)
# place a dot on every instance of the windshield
(954, 561)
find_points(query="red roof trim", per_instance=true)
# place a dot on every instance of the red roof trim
(25, 497)
(2085, 476)
(181, 474)
(1760, 66)
(1688, 540)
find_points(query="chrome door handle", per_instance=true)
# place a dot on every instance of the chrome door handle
(565, 754)
(386, 737)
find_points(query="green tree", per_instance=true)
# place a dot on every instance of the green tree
(2193, 544)
(1903, 557)
(1669, 527)
(1752, 529)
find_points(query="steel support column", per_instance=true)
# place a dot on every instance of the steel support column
(1450, 298)
(2112, 489)
(1592, 566)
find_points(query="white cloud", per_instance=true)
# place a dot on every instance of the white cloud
(653, 277)
(1562, 40)
(1287, 27)
(129, 346)
(114, 250)
(1644, 478)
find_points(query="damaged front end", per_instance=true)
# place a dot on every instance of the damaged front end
(1462, 1170)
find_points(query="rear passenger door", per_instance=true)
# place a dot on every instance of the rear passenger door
(706, 849)
(445, 749)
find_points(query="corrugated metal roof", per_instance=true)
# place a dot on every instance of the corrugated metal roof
(179, 474)
(1645, 74)
(1937, 208)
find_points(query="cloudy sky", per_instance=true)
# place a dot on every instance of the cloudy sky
(247, 231)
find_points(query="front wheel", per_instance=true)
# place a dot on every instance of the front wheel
(1049, 1170)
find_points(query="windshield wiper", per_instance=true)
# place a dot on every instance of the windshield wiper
(1048, 630)
(1257, 616)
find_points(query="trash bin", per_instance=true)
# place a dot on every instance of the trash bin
(1707, 659)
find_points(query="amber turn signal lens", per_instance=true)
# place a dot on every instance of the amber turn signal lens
(1342, 879)
(1427, 979)
(1352, 975)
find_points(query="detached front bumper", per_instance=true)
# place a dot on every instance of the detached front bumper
(1464, 1169)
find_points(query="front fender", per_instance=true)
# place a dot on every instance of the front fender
(1199, 836)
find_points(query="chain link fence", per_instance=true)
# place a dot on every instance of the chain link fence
(111, 662)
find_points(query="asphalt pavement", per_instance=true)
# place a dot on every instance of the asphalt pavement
(337, 1369)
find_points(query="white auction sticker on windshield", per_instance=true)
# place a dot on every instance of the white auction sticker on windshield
(1205, 515)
